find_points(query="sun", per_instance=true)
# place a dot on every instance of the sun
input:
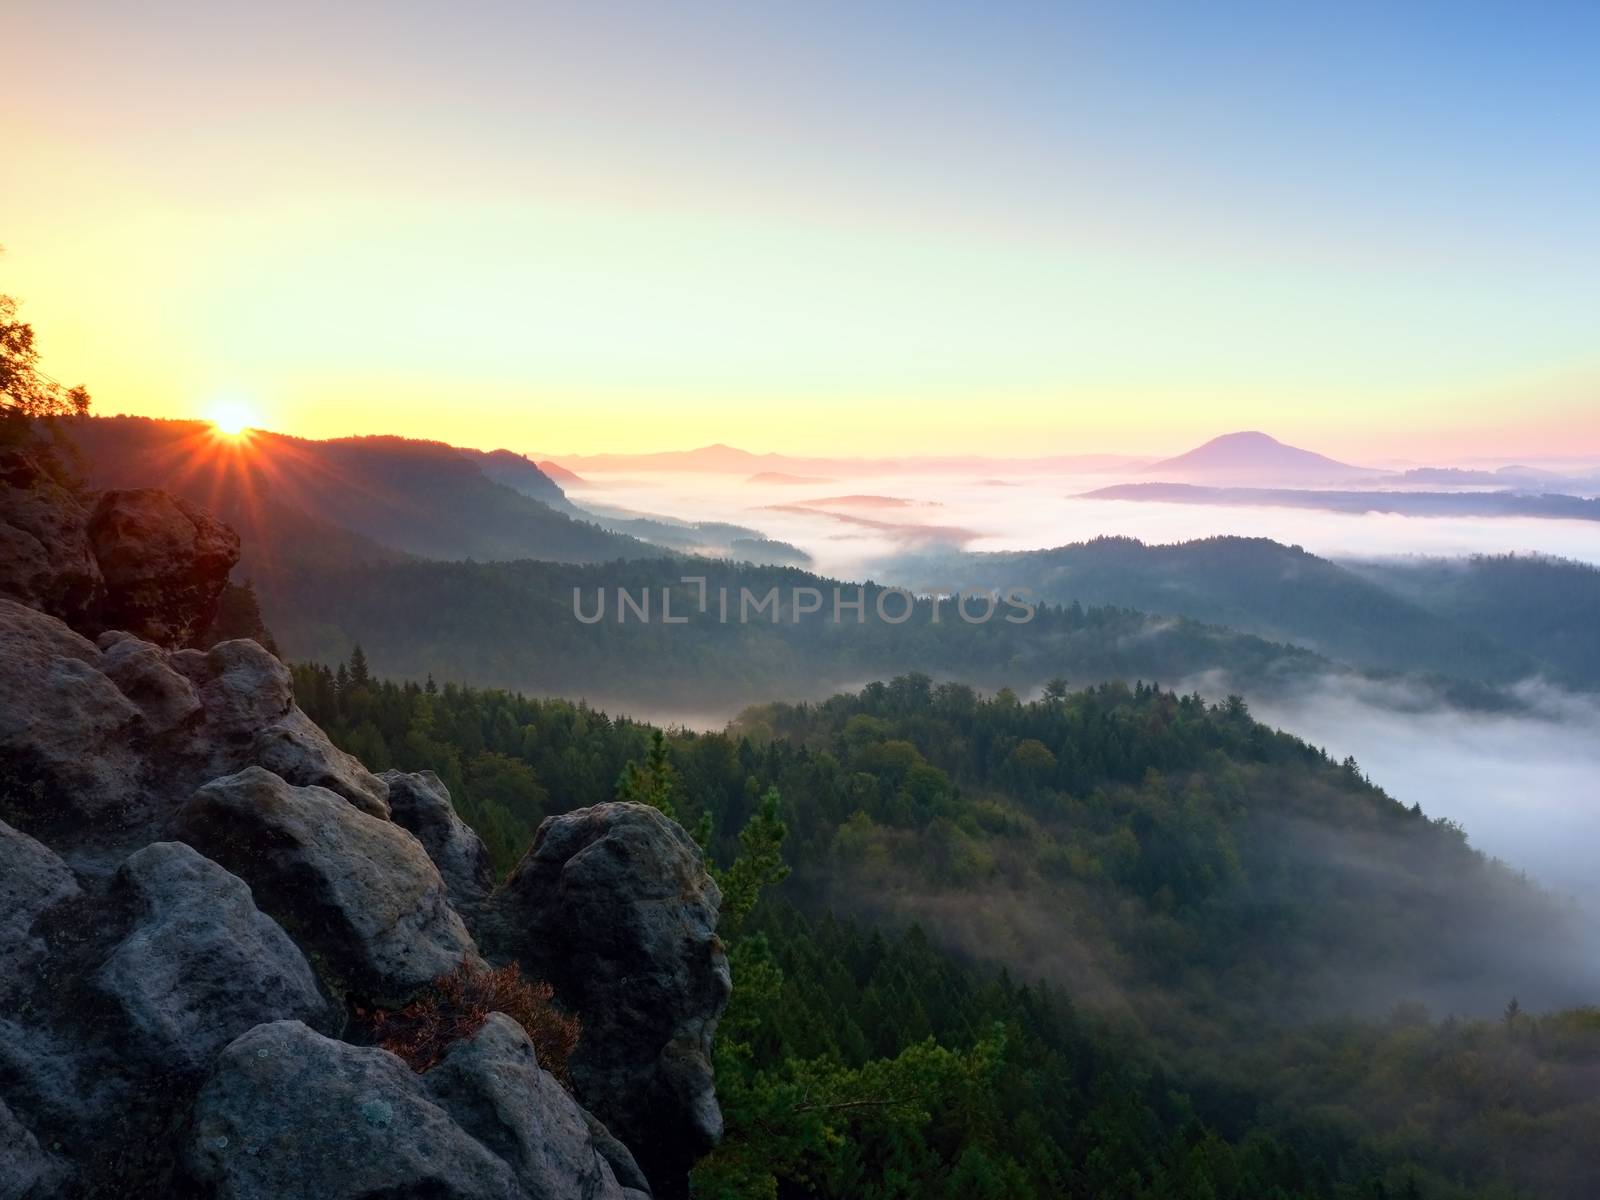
(231, 418)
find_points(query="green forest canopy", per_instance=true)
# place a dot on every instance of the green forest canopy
(1186, 1047)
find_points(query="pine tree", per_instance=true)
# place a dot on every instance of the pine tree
(656, 782)
(759, 866)
(360, 675)
(1512, 1012)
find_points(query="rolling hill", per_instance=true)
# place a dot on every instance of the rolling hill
(1478, 621)
(512, 624)
(1545, 608)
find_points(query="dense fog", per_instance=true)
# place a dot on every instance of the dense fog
(847, 528)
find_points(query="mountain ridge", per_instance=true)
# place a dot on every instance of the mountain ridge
(391, 497)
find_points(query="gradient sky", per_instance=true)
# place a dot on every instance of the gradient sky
(869, 227)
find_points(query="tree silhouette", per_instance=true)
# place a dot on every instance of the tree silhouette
(360, 673)
(26, 392)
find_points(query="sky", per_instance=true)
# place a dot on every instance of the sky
(1006, 228)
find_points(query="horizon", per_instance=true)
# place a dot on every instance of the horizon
(1130, 458)
(580, 233)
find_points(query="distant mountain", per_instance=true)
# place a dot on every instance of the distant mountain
(357, 499)
(1254, 457)
(520, 473)
(1519, 471)
(559, 473)
(1412, 504)
(1525, 479)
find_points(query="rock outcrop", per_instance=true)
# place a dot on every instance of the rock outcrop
(199, 891)
(494, 1087)
(32, 881)
(164, 562)
(359, 891)
(243, 689)
(614, 907)
(420, 803)
(102, 745)
(165, 699)
(201, 964)
(68, 762)
(143, 560)
(25, 1169)
(288, 1112)
(298, 752)
(45, 558)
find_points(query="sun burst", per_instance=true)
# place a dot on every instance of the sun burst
(231, 419)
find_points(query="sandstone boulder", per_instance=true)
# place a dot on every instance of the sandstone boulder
(623, 1165)
(134, 969)
(493, 1086)
(287, 1112)
(43, 1077)
(359, 891)
(421, 803)
(45, 558)
(144, 675)
(613, 906)
(298, 752)
(201, 964)
(25, 1169)
(32, 880)
(243, 688)
(67, 734)
(164, 561)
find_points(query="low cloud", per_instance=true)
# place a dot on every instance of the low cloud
(1525, 785)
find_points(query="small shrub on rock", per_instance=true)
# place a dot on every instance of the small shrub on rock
(456, 1005)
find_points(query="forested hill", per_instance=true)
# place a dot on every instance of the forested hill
(1545, 608)
(521, 474)
(375, 495)
(1184, 838)
(513, 625)
(1165, 868)
(1490, 621)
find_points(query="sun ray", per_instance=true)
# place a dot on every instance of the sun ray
(231, 418)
